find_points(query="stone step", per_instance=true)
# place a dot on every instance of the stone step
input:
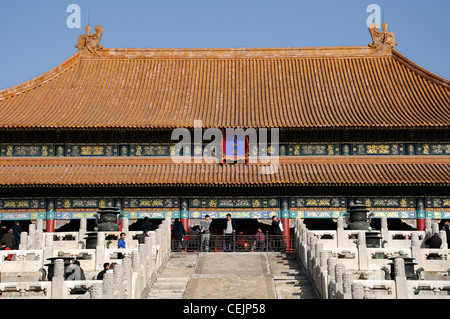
(165, 296)
(289, 280)
(287, 274)
(304, 294)
(172, 279)
(163, 284)
(164, 290)
(174, 273)
(288, 277)
(291, 283)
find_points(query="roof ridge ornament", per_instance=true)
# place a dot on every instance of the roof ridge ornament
(382, 40)
(90, 42)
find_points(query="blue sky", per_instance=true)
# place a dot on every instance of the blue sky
(35, 38)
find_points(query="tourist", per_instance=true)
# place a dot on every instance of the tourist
(111, 268)
(9, 239)
(3, 246)
(147, 224)
(141, 239)
(17, 230)
(3, 230)
(229, 231)
(178, 232)
(434, 241)
(75, 272)
(260, 240)
(277, 231)
(103, 272)
(447, 232)
(205, 233)
(121, 245)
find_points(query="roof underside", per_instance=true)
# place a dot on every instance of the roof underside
(285, 88)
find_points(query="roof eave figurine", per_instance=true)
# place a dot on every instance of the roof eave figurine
(382, 40)
(90, 42)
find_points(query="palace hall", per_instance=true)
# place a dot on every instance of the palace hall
(352, 124)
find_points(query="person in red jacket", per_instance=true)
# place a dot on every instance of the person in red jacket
(4, 247)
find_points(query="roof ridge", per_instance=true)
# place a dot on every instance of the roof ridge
(236, 53)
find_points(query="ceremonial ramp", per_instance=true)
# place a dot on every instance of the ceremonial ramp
(231, 276)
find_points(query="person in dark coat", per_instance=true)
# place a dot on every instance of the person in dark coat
(9, 239)
(277, 233)
(103, 272)
(178, 232)
(434, 241)
(17, 230)
(229, 230)
(141, 239)
(3, 230)
(447, 231)
(147, 224)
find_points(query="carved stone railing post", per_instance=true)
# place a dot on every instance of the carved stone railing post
(118, 279)
(23, 241)
(143, 261)
(136, 266)
(100, 257)
(149, 253)
(400, 278)
(125, 225)
(31, 241)
(108, 285)
(415, 246)
(82, 230)
(357, 290)
(347, 280)
(58, 280)
(39, 234)
(96, 291)
(434, 228)
(443, 236)
(152, 235)
(48, 247)
(331, 264)
(127, 268)
(339, 270)
(428, 231)
(385, 232)
(340, 232)
(362, 251)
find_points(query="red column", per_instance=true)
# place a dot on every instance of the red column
(50, 216)
(421, 214)
(285, 215)
(420, 223)
(286, 232)
(185, 222)
(184, 212)
(50, 226)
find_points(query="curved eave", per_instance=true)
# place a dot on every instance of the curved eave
(40, 80)
(430, 76)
